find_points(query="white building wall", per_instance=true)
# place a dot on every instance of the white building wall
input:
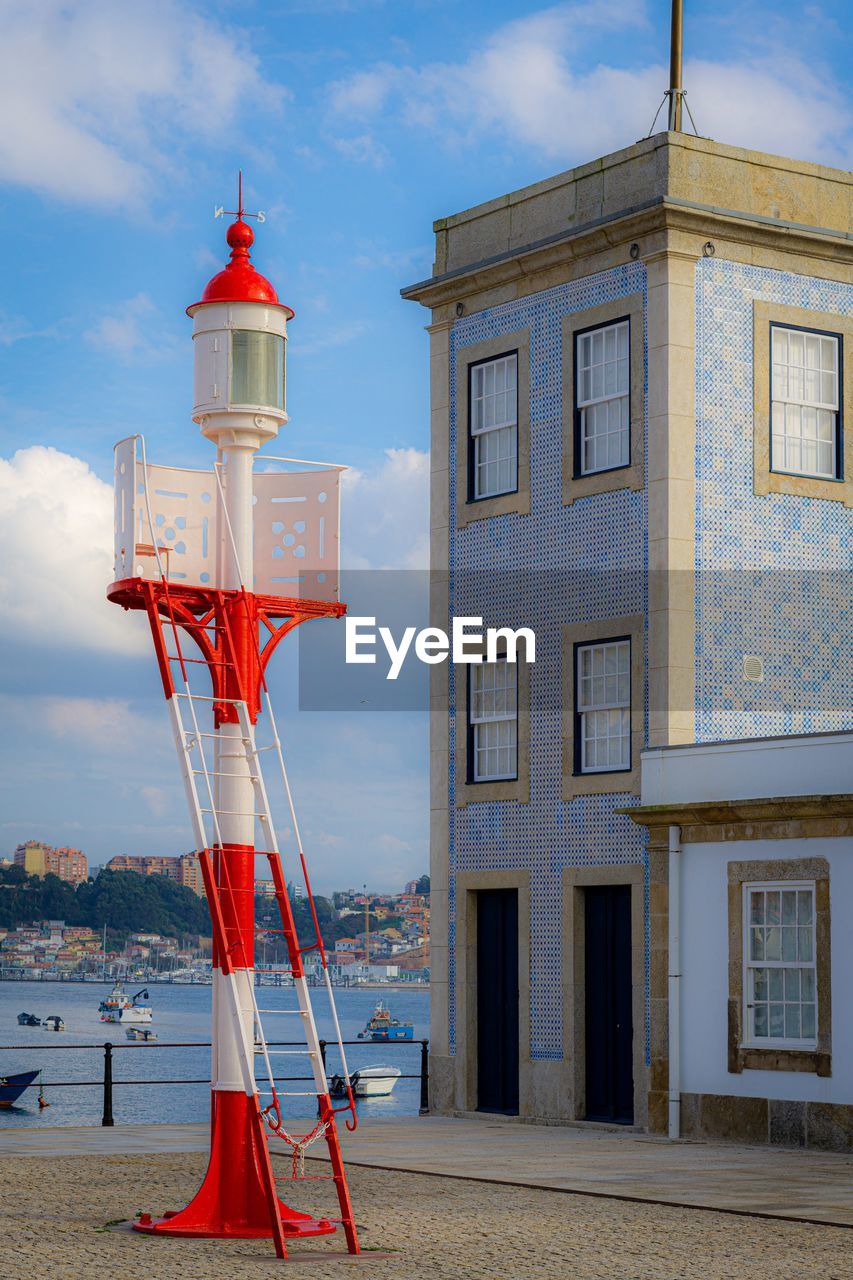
(705, 926)
(763, 767)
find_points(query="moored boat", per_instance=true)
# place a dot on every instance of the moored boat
(28, 1020)
(381, 1026)
(120, 1007)
(141, 1033)
(11, 1087)
(53, 1023)
(367, 1082)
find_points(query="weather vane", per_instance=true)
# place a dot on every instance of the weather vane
(220, 211)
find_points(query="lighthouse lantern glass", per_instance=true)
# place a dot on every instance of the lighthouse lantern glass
(257, 368)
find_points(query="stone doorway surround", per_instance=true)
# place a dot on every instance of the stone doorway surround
(575, 881)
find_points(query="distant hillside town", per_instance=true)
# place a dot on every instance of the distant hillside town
(147, 917)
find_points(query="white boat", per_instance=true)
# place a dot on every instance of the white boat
(119, 1007)
(53, 1023)
(367, 1082)
(140, 1033)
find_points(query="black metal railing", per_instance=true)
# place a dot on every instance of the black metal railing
(108, 1083)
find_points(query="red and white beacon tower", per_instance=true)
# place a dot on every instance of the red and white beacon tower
(233, 559)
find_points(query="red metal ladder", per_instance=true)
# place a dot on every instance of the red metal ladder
(213, 856)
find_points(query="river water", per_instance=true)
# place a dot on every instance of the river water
(181, 1014)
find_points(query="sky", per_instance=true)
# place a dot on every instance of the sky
(357, 123)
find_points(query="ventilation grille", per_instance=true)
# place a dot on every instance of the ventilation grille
(753, 668)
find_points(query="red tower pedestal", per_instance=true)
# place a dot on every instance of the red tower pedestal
(232, 1200)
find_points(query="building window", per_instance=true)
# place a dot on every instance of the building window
(603, 398)
(493, 721)
(493, 400)
(603, 707)
(804, 395)
(780, 975)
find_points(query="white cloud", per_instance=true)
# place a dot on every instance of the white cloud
(533, 81)
(102, 94)
(17, 329)
(386, 513)
(56, 522)
(363, 148)
(133, 331)
(337, 336)
(372, 256)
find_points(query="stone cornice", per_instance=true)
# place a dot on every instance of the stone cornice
(630, 224)
(771, 818)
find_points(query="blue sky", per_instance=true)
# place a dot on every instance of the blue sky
(357, 123)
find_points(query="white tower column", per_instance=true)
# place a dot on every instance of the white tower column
(236, 793)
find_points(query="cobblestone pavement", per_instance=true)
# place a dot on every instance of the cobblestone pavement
(54, 1210)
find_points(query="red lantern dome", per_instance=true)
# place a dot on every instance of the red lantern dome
(240, 282)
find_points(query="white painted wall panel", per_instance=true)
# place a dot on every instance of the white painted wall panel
(704, 908)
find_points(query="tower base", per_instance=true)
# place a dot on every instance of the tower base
(231, 1201)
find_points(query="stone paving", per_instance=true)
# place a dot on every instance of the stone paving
(810, 1185)
(56, 1210)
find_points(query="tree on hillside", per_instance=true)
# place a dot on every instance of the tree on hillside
(124, 901)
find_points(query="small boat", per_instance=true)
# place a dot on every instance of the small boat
(381, 1026)
(141, 1033)
(28, 1020)
(53, 1023)
(120, 1007)
(367, 1082)
(11, 1087)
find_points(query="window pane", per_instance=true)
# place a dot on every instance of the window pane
(792, 1021)
(805, 947)
(257, 368)
(804, 906)
(805, 399)
(773, 944)
(760, 1020)
(603, 398)
(808, 1022)
(777, 1020)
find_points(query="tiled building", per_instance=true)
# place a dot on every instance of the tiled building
(639, 375)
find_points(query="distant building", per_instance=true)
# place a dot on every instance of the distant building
(184, 870)
(191, 873)
(69, 864)
(39, 859)
(264, 889)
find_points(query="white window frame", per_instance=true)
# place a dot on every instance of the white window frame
(751, 1040)
(622, 396)
(475, 722)
(782, 404)
(482, 435)
(619, 704)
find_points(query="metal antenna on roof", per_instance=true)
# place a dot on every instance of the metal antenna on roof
(676, 55)
(676, 92)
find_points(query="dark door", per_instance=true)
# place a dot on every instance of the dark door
(497, 1000)
(609, 1026)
